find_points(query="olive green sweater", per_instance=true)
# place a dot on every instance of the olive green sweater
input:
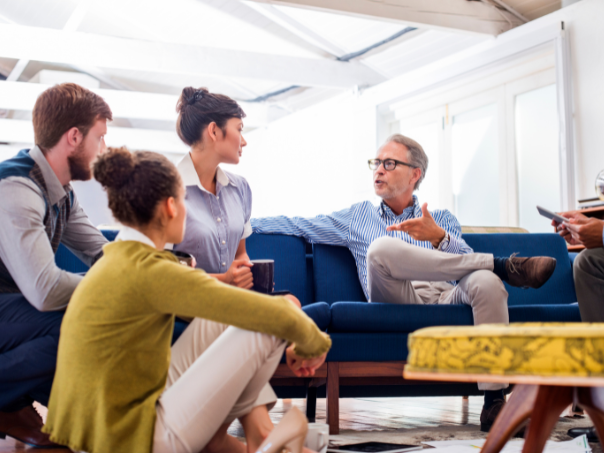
(114, 349)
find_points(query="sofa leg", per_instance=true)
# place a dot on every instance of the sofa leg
(333, 397)
(311, 403)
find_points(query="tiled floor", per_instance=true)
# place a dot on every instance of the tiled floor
(402, 420)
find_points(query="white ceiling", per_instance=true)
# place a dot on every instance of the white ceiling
(243, 26)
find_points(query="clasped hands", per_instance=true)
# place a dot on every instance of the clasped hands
(423, 228)
(302, 367)
(580, 230)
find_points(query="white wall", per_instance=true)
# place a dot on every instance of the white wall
(587, 53)
(312, 162)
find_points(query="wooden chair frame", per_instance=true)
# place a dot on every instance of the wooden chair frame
(336, 374)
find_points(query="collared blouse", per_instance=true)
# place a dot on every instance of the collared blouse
(215, 224)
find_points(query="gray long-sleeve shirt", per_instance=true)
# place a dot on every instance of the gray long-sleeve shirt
(24, 246)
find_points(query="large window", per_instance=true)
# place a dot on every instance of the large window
(492, 145)
(536, 128)
(474, 146)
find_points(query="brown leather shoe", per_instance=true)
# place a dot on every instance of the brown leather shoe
(25, 425)
(529, 272)
(488, 417)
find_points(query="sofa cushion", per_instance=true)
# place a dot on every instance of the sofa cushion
(335, 274)
(319, 312)
(367, 347)
(380, 317)
(559, 289)
(545, 313)
(289, 253)
(362, 317)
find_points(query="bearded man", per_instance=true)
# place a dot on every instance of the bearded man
(39, 210)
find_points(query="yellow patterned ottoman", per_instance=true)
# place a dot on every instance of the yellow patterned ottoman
(551, 364)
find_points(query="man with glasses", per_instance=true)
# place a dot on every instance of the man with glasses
(408, 255)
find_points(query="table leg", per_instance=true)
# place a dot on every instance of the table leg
(591, 400)
(333, 397)
(549, 404)
(511, 417)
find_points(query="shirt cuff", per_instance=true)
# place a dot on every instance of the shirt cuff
(453, 247)
(247, 230)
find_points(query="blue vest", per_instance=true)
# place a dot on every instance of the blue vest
(55, 217)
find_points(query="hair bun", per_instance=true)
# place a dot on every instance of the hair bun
(190, 96)
(114, 167)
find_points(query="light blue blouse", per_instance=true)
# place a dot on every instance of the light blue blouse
(215, 223)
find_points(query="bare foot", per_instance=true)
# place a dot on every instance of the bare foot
(223, 443)
(257, 425)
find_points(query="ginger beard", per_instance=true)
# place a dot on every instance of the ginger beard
(80, 167)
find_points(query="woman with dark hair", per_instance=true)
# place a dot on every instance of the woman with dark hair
(219, 203)
(119, 386)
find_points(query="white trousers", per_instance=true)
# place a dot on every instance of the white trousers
(217, 374)
(401, 273)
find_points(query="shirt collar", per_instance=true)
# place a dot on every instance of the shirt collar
(130, 234)
(56, 191)
(411, 212)
(189, 175)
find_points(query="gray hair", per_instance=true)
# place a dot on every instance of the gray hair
(417, 156)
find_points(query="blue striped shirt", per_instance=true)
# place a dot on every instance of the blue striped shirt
(358, 226)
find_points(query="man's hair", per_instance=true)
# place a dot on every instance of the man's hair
(62, 107)
(417, 156)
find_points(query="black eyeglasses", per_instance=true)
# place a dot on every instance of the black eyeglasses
(389, 164)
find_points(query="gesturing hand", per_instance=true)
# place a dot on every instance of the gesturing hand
(302, 367)
(240, 274)
(423, 228)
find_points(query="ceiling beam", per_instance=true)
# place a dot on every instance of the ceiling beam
(460, 15)
(124, 104)
(278, 16)
(87, 49)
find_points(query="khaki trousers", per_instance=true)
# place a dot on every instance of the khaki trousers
(588, 270)
(217, 374)
(401, 273)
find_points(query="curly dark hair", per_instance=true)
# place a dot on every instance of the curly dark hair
(136, 183)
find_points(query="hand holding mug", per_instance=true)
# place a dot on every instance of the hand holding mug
(240, 274)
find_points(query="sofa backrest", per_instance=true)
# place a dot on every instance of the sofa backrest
(289, 253)
(67, 261)
(336, 278)
(560, 289)
(335, 275)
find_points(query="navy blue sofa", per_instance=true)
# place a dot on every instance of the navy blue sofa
(370, 340)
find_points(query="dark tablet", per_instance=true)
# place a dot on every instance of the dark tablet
(371, 447)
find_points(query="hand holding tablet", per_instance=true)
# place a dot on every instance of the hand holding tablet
(552, 215)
